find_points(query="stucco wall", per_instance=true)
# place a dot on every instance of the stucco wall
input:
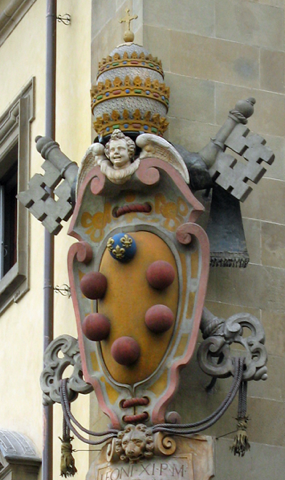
(215, 53)
(22, 56)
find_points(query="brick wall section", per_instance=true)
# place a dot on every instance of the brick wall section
(215, 53)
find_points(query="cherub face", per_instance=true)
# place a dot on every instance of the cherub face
(118, 152)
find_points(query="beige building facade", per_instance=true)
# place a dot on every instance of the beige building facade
(213, 53)
(22, 59)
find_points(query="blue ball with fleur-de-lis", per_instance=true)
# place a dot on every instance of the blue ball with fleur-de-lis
(122, 247)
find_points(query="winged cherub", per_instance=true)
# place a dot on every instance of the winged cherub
(120, 151)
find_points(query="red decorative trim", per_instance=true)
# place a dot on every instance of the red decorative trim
(184, 235)
(97, 185)
(140, 417)
(148, 173)
(82, 251)
(134, 402)
(137, 207)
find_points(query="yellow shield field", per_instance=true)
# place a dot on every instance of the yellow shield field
(127, 299)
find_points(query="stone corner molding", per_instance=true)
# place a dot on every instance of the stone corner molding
(18, 457)
(12, 15)
(15, 445)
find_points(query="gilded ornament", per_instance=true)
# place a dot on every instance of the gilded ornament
(130, 80)
(127, 241)
(128, 35)
(135, 122)
(110, 244)
(118, 252)
(94, 225)
(105, 91)
(123, 247)
(118, 61)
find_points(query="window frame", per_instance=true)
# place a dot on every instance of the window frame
(12, 15)
(15, 128)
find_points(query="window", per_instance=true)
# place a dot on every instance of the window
(8, 213)
(14, 218)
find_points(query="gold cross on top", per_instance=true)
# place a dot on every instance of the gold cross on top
(128, 35)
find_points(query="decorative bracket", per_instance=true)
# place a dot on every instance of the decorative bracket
(214, 355)
(64, 290)
(65, 19)
(55, 366)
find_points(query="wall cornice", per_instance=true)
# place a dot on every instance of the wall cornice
(12, 15)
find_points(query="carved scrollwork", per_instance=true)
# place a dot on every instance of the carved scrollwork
(164, 444)
(98, 182)
(215, 356)
(111, 454)
(173, 417)
(82, 251)
(61, 353)
(183, 233)
(147, 173)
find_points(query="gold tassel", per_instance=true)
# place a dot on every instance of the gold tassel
(67, 462)
(241, 443)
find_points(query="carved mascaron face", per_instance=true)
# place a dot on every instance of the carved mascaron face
(119, 154)
(134, 443)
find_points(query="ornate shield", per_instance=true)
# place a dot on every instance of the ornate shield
(138, 277)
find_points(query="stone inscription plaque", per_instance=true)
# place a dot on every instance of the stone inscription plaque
(192, 460)
(177, 467)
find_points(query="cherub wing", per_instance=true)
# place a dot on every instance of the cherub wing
(93, 156)
(154, 146)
